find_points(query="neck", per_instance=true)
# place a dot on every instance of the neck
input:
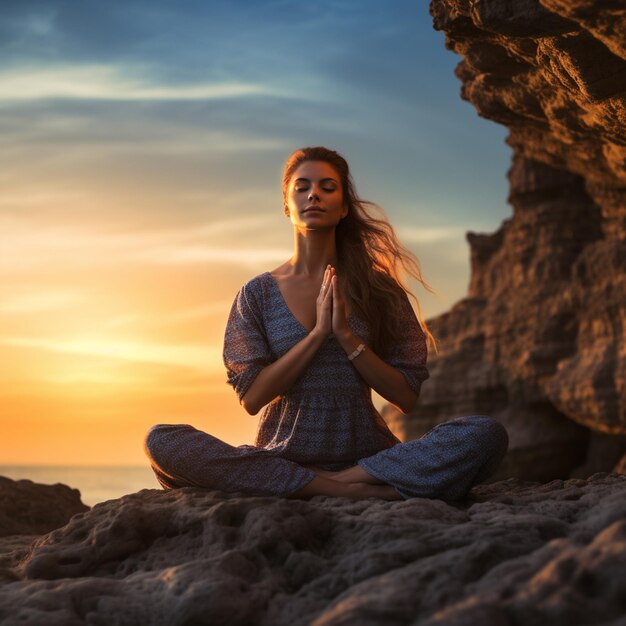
(313, 251)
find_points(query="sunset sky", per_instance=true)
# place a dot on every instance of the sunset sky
(141, 152)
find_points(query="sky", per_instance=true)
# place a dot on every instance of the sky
(141, 152)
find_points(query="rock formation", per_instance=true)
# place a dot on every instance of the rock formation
(540, 340)
(513, 552)
(27, 508)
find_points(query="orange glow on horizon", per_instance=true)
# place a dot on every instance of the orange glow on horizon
(112, 321)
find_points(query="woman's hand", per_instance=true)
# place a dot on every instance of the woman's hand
(339, 320)
(324, 306)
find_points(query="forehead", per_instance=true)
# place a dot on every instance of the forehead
(315, 170)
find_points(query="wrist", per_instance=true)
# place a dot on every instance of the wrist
(348, 341)
(317, 336)
(358, 351)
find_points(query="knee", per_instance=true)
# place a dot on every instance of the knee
(492, 433)
(155, 441)
(150, 441)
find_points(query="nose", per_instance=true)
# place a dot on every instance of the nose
(313, 194)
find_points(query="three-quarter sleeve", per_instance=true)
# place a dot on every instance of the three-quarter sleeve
(409, 352)
(246, 349)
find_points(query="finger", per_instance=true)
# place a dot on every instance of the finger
(324, 285)
(329, 293)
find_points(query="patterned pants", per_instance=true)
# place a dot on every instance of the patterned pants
(445, 463)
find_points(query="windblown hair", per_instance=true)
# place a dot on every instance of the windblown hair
(371, 261)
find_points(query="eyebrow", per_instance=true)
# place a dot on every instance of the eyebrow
(322, 180)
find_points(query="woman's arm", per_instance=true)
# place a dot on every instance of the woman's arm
(385, 379)
(279, 376)
(380, 376)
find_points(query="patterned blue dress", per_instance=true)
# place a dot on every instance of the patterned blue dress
(326, 419)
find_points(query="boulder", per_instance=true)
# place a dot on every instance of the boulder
(28, 508)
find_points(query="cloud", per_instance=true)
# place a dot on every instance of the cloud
(30, 248)
(412, 234)
(204, 313)
(201, 358)
(39, 302)
(101, 82)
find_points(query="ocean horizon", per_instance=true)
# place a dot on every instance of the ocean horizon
(96, 483)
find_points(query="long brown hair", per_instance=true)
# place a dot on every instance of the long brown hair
(370, 257)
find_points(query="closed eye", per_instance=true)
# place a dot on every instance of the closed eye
(326, 189)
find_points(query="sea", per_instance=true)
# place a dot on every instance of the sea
(95, 483)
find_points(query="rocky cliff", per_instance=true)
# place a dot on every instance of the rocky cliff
(540, 340)
(513, 552)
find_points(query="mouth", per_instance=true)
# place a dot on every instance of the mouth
(312, 208)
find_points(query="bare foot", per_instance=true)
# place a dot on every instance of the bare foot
(356, 474)
(321, 486)
(321, 472)
(384, 492)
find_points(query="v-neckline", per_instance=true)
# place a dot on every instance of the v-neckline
(282, 297)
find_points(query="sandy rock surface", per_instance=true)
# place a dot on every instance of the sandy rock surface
(511, 553)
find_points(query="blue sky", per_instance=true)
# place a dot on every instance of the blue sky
(142, 149)
(210, 97)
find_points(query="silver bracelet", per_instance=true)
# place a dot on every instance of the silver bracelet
(357, 352)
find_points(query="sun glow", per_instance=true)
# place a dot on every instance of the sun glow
(189, 356)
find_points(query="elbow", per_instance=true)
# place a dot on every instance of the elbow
(250, 407)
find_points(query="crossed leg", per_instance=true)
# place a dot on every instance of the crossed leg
(183, 456)
(445, 463)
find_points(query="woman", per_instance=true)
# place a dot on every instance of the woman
(308, 341)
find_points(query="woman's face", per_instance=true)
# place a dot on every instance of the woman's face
(315, 197)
